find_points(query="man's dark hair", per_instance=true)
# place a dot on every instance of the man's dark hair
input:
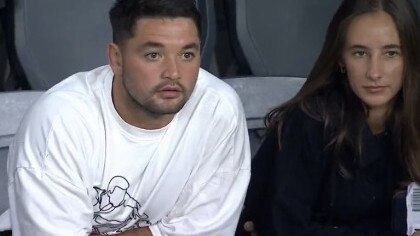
(125, 13)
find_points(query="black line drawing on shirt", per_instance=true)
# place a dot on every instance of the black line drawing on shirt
(112, 199)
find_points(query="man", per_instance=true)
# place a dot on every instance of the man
(149, 145)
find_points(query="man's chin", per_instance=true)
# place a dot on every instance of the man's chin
(167, 109)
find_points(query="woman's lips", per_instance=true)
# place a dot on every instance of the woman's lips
(375, 89)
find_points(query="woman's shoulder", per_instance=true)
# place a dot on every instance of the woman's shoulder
(299, 117)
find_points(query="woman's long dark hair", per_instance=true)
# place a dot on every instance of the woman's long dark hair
(326, 95)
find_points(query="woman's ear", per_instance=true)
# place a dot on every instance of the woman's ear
(115, 58)
(342, 67)
(340, 63)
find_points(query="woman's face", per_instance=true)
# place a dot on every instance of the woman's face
(372, 59)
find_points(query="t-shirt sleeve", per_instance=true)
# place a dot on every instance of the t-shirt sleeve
(47, 174)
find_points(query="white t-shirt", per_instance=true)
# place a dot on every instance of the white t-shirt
(76, 167)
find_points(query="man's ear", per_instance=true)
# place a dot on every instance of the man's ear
(115, 58)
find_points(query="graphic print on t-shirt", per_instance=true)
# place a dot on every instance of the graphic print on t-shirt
(114, 202)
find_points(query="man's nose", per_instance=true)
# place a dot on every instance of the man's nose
(171, 69)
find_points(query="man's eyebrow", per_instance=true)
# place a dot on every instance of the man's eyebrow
(357, 46)
(191, 46)
(151, 44)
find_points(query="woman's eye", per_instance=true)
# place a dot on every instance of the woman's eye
(392, 53)
(359, 53)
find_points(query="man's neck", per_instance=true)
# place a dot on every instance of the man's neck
(132, 114)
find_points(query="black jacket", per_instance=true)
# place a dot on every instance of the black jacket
(298, 190)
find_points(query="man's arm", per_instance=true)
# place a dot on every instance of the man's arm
(47, 173)
(145, 231)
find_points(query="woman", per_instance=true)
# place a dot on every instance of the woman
(336, 153)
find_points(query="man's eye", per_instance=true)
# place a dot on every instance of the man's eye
(188, 55)
(152, 56)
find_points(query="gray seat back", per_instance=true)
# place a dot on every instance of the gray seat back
(208, 36)
(13, 106)
(282, 37)
(56, 38)
(261, 94)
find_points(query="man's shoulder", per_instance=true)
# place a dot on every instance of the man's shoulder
(219, 91)
(84, 83)
(73, 98)
(216, 84)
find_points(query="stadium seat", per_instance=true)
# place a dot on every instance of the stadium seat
(56, 38)
(259, 95)
(209, 32)
(13, 106)
(281, 37)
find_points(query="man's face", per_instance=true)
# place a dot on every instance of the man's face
(159, 65)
